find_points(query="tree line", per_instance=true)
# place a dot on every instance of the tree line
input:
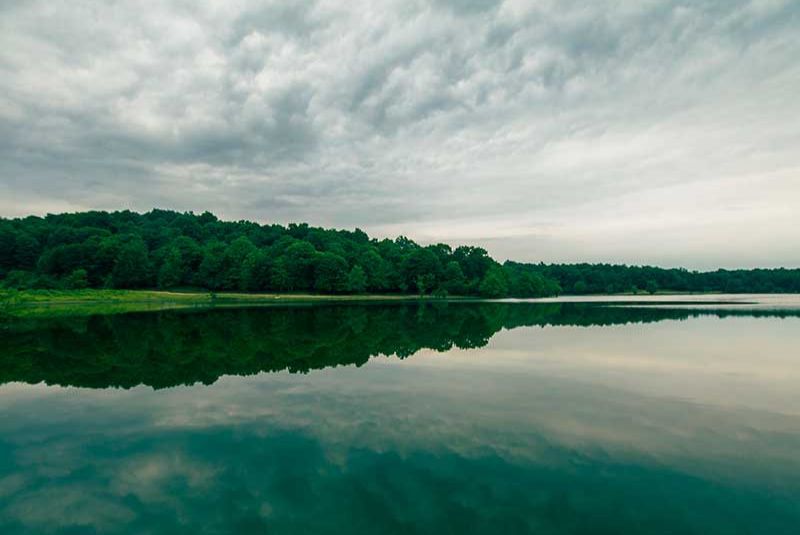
(585, 279)
(166, 249)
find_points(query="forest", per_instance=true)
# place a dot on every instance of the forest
(168, 250)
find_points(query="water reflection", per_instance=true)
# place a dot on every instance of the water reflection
(172, 348)
(637, 424)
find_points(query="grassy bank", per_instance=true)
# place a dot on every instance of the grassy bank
(82, 302)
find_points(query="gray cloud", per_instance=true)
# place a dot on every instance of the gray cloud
(659, 131)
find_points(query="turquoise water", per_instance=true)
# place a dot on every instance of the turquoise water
(461, 418)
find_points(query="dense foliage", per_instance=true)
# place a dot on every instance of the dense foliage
(166, 249)
(584, 279)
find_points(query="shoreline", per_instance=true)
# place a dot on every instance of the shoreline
(30, 303)
(44, 303)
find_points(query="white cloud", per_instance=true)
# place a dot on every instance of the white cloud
(518, 124)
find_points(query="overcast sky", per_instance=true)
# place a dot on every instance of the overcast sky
(648, 131)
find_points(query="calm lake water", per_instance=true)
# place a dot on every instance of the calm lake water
(552, 418)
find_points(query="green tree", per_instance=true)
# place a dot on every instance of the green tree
(8, 241)
(63, 259)
(425, 283)
(19, 280)
(131, 266)
(77, 280)
(652, 286)
(209, 273)
(440, 293)
(101, 262)
(377, 270)
(299, 262)
(526, 284)
(256, 271)
(171, 272)
(279, 276)
(474, 261)
(494, 283)
(191, 255)
(421, 263)
(551, 287)
(26, 251)
(232, 261)
(454, 281)
(330, 273)
(580, 287)
(357, 280)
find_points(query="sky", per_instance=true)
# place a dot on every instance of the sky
(662, 132)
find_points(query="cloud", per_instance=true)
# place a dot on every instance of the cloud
(418, 117)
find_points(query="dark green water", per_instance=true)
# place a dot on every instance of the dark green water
(462, 418)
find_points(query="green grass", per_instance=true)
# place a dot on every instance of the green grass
(35, 303)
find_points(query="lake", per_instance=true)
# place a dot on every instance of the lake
(668, 415)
